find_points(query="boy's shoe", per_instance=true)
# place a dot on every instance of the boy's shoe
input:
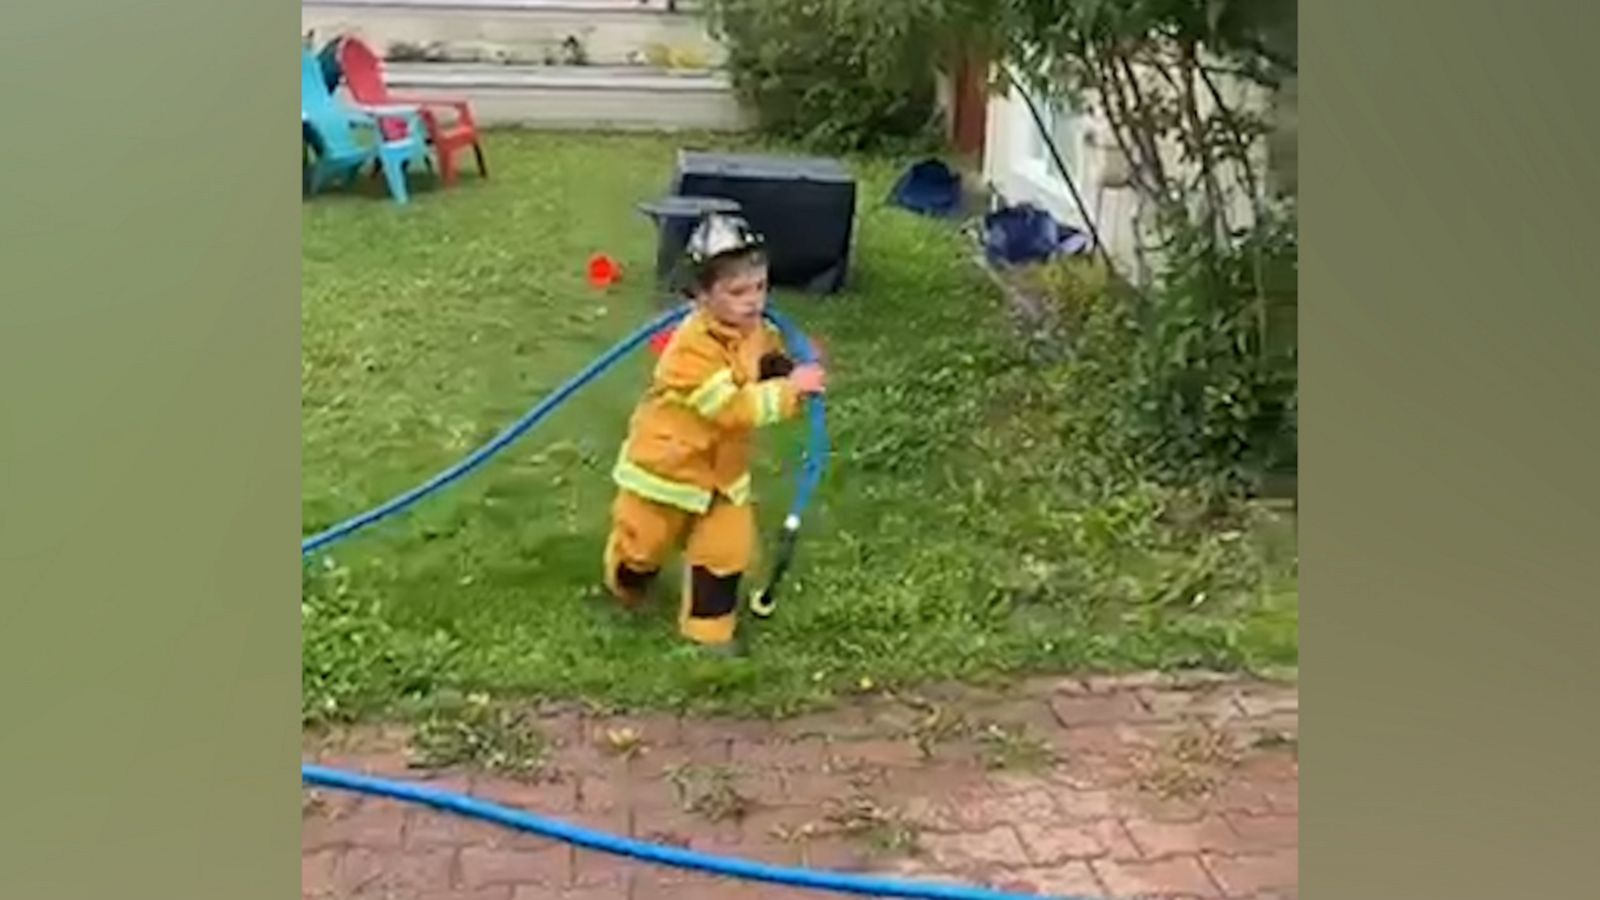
(632, 588)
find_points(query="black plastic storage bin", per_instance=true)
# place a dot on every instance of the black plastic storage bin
(675, 218)
(804, 206)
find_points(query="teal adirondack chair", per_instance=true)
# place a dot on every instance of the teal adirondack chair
(336, 131)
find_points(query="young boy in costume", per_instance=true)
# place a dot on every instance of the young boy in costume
(684, 471)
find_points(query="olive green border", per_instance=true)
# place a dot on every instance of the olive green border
(1448, 362)
(149, 451)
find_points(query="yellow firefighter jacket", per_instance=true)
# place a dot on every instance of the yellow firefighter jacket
(690, 436)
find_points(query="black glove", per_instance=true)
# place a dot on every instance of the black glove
(775, 365)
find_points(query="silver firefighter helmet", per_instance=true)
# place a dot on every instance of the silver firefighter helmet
(718, 234)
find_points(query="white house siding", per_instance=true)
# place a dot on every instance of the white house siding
(1019, 169)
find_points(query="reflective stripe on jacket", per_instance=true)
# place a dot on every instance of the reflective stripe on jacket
(690, 436)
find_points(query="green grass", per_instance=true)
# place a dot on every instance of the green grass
(952, 538)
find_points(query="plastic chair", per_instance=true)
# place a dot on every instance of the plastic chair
(335, 130)
(363, 75)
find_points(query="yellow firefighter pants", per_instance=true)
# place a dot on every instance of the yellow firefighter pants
(721, 543)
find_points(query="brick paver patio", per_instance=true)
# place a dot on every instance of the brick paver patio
(1136, 787)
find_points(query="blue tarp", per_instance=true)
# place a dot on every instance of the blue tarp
(929, 187)
(1017, 235)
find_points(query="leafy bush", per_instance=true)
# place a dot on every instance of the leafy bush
(1192, 380)
(833, 74)
(353, 660)
(1218, 363)
(1205, 357)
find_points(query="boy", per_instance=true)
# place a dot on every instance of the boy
(684, 469)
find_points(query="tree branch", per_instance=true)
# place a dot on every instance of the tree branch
(1216, 215)
(1236, 132)
(1148, 132)
(1257, 260)
(1117, 119)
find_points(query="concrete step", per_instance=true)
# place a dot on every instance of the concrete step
(628, 98)
(525, 32)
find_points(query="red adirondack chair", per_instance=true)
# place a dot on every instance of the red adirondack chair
(363, 74)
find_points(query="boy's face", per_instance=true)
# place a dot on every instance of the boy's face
(739, 296)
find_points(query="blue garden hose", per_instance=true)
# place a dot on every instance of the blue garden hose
(810, 477)
(810, 474)
(817, 449)
(764, 602)
(499, 442)
(471, 807)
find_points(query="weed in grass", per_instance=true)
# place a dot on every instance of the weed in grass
(938, 725)
(1010, 747)
(884, 829)
(483, 735)
(624, 742)
(1190, 765)
(858, 773)
(709, 791)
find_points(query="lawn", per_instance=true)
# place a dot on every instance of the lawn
(953, 538)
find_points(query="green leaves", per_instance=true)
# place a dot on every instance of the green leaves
(354, 660)
(834, 74)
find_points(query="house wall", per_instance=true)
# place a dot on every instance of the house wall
(1016, 167)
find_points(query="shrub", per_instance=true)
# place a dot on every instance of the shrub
(1217, 367)
(833, 74)
(1192, 380)
(1206, 353)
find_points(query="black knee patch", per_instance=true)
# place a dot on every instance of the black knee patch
(632, 579)
(712, 596)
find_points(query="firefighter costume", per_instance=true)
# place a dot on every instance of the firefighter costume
(683, 474)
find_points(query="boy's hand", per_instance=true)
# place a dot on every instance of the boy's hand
(809, 379)
(775, 365)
